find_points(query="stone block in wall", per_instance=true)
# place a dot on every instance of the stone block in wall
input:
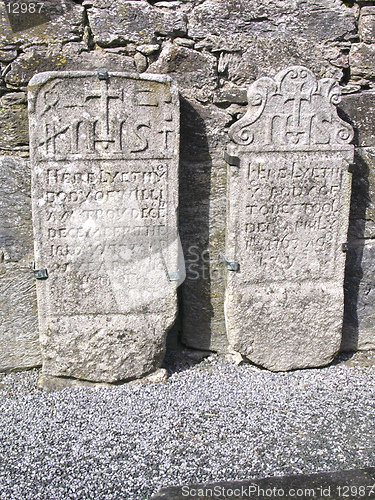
(314, 20)
(362, 63)
(8, 54)
(68, 26)
(14, 132)
(18, 311)
(194, 73)
(229, 96)
(120, 22)
(360, 110)
(244, 61)
(366, 25)
(71, 57)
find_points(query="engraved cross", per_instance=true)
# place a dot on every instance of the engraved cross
(105, 95)
(297, 96)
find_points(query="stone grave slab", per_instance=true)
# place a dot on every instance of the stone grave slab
(105, 150)
(351, 484)
(288, 210)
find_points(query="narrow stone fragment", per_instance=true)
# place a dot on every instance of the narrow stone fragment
(18, 315)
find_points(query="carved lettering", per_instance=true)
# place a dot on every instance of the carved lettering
(288, 217)
(105, 177)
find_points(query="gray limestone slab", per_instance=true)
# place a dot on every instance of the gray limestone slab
(18, 315)
(318, 20)
(288, 211)
(105, 150)
(20, 347)
(132, 22)
(351, 484)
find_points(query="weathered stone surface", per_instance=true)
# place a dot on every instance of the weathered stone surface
(358, 329)
(246, 39)
(147, 50)
(72, 56)
(317, 20)
(64, 28)
(140, 62)
(323, 485)
(362, 62)
(16, 232)
(366, 26)
(13, 121)
(105, 169)
(18, 319)
(359, 318)
(194, 73)
(244, 61)
(18, 315)
(362, 210)
(359, 110)
(288, 214)
(50, 383)
(119, 22)
(202, 221)
(8, 54)
(230, 96)
(184, 42)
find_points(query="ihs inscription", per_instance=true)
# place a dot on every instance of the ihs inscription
(104, 153)
(101, 119)
(288, 211)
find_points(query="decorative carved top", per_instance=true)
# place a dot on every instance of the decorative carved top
(91, 115)
(293, 111)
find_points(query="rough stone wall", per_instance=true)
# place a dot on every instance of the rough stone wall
(214, 49)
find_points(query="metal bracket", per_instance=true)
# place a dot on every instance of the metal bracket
(234, 161)
(231, 266)
(174, 276)
(41, 274)
(103, 74)
(345, 247)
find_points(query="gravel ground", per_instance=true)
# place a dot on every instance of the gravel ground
(212, 422)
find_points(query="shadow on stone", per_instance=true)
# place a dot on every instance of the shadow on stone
(356, 241)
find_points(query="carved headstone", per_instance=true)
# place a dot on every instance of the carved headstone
(105, 151)
(289, 195)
